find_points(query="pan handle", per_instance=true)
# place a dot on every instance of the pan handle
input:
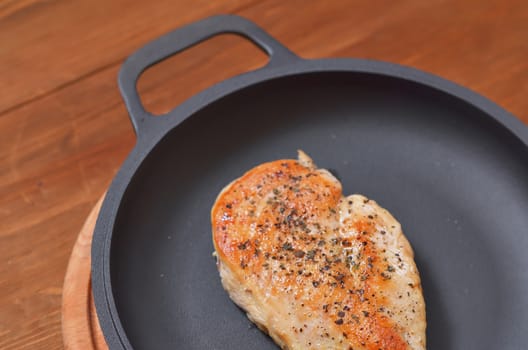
(181, 39)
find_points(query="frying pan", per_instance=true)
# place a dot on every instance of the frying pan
(449, 164)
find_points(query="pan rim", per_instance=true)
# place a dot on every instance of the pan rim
(107, 312)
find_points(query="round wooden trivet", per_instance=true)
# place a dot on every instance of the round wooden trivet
(80, 327)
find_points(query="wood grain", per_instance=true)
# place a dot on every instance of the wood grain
(64, 130)
(80, 328)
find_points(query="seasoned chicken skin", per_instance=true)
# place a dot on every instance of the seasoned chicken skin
(315, 269)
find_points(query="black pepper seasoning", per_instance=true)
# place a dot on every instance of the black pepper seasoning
(310, 254)
(299, 253)
(287, 246)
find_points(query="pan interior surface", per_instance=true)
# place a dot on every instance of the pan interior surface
(454, 177)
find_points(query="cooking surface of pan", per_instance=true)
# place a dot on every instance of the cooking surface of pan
(451, 166)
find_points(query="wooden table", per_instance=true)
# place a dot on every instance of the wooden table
(64, 130)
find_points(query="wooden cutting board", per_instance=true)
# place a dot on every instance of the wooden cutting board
(80, 327)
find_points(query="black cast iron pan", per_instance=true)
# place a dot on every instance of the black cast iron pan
(449, 164)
